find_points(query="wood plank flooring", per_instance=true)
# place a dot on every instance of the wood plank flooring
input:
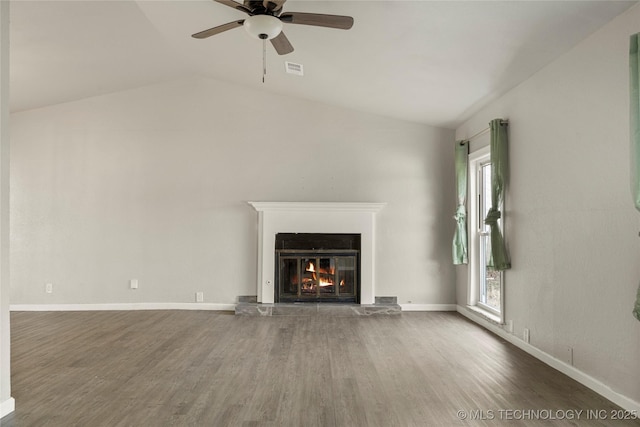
(203, 368)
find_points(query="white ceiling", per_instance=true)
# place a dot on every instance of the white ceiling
(424, 61)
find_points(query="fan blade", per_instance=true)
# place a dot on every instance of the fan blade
(281, 44)
(234, 5)
(274, 6)
(317, 19)
(217, 30)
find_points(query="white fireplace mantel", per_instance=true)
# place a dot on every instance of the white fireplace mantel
(315, 217)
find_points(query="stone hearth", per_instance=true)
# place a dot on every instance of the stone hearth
(384, 306)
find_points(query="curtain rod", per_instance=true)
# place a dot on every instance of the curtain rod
(483, 131)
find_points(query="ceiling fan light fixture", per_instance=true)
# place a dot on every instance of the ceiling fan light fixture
(264, 27)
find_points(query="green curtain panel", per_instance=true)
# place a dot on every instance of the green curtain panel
(636, 309)
(634, 110)
(460, 235)
(499, 259)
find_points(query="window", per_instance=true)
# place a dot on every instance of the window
(485, 284)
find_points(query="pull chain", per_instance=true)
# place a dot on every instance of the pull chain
(264, 58)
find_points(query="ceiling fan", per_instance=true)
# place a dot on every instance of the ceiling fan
(266, 20)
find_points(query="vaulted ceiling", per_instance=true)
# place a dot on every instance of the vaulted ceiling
(433, 62)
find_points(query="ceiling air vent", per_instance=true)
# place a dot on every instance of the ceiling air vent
(293, 68)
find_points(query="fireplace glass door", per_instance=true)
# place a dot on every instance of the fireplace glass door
(317, 276)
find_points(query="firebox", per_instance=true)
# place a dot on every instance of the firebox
(314, 267)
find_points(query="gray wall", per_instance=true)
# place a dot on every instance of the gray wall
(152, 184)
(572, 227)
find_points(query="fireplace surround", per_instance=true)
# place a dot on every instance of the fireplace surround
(315, 217)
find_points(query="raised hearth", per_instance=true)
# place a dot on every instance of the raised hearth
(384, 306)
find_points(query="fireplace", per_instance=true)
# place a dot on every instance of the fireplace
(315, 217)
(317, 267)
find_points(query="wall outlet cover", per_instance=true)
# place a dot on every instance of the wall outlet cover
(568, 355)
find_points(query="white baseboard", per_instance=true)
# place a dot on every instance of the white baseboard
(428, 307)
(7, 407)
(124, 306)
(182, 306)
(571, 371)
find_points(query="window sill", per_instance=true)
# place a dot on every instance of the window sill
(485, 314)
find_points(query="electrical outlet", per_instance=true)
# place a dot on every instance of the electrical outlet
(133, 283)
(525, 335)
(199, 296)
(568, 355)
(48, 288)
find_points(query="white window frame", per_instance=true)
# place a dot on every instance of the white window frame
(477, 158)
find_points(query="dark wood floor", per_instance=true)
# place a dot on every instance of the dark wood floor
(202, 368)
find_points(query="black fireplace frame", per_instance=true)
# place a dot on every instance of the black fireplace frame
(319, 246)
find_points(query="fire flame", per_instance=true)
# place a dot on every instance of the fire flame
(324, 281)
(311, 268)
